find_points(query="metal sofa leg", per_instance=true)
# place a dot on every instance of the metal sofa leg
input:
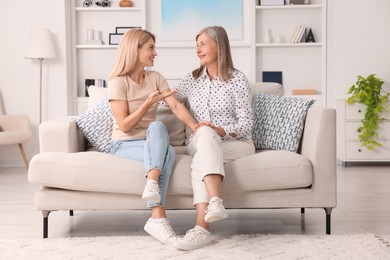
(328, 212)
(45, 215)
(71, 212)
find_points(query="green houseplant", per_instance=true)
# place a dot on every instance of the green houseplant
(368, 91)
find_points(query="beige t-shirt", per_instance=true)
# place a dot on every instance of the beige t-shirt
(124, 88)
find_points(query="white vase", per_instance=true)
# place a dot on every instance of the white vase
(267, 36)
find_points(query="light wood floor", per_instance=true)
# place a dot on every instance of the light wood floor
(363, 207)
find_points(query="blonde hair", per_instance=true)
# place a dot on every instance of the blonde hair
(225, 62)
(127, 53)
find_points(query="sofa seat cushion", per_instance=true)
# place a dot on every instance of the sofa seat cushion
(268, 170)
(99, 172)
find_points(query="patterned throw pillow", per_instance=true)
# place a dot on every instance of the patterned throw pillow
(278, 121)
(96, 126)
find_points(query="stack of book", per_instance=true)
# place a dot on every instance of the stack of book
(299, 35)
(94, 82)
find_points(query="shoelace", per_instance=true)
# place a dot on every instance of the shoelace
(152, 186)
(214, 204)
(191, 235)
(168, 228)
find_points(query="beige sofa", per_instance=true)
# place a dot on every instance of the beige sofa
(73, 177)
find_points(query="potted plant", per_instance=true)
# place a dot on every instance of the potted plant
(368, 91)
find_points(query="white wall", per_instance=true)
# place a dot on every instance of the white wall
(358, 44)
(19, 81)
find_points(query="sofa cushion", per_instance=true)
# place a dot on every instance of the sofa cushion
(278, 121)
(96, 126)
(176, 128)
(268, 170)
(99, 172)
(96, 94)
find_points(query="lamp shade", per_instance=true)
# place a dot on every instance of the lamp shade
(40, 45)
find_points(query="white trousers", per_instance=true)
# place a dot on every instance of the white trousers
(210, 153)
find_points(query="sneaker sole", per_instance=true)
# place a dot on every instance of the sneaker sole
(215, 218)
(185, 247)
(152, 199)
(161, 241)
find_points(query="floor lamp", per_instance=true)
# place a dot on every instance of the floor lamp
(40, 47)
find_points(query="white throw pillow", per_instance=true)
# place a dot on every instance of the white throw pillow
(278, 121)
(96, 94)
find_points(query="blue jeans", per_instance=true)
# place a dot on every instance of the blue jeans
(155, 152)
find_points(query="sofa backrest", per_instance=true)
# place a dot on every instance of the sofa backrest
(266, 87)
(176, 128)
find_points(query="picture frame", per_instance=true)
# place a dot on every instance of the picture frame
(124, 29)
(115, 38)
(197, 18)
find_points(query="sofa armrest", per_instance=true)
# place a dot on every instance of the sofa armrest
(319, 146)
(61, 135)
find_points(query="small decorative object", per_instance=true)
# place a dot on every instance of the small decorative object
(267, 36)
(307, 2)
(87, 3)
(278, 38)
(310, 36)
(93, 37)
(125, 3)
(90, 34)
(368, 91)
(102, 3)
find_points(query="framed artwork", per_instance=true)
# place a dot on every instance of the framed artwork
(123, 30)
(115, 38)
(181, 20)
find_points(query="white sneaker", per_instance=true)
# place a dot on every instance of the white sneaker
(215, 210)
(163, 231)
(193, 239)
(151, 191)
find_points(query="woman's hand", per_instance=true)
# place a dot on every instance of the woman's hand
(219, 130)
(157, 96)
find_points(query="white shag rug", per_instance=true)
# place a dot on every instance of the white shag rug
(243, 247)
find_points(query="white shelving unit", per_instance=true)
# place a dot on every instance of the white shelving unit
(303, 65)
(95, 61)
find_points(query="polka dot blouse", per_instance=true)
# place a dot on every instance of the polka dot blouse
(226, 104)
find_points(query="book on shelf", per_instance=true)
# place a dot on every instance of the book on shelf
(94, 82)
(309, 91)
(294, 36)
(299, 35)
(271, 2)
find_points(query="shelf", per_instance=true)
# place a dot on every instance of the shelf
(288, 7)
(304, 44)
(81, 46)
(105, 9)
(192, 44)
